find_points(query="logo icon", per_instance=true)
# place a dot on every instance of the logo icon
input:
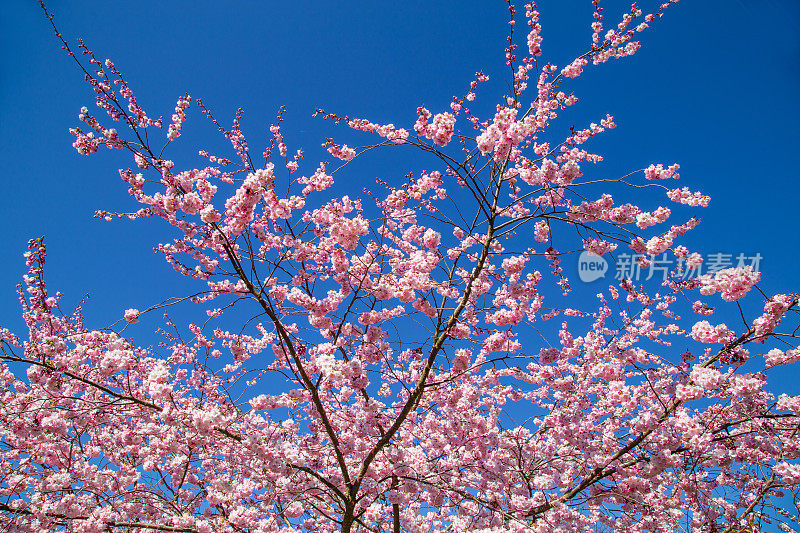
(591, 267)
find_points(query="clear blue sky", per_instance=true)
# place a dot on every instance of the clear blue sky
(714, 88)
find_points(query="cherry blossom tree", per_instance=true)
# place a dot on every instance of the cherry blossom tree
(434, 371)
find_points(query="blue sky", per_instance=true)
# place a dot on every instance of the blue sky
(714, 88)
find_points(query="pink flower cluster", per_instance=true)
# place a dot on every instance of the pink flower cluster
(505, 132)
(541, 231)
(774, 310)
(588, 211)
(777, 357)
(239, 209)
(88, 143)
(575, 69)
(174, 130)
(132, 315)
(376, 317)
(319, 181)
(598, 246)
(685, 196)
(387, 130)
(788, 472)
(702, 308)
(658, 172)
(500, 341)
(704, 332)
(534, 36)
(440, 130)
(731, 283)
(343, 152)
(708, 378)
(347, 231)
(647, 219)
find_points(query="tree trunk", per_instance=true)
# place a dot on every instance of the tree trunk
(347, 519)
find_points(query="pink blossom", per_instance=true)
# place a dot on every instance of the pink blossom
(788, 473)
(431, 239)
(209, 215)
(658, 172)
(132, 316)
(346, 232)
(598, 246)
(703, 331)
(541, 231)
(777, 357)
(707, 378)
(731, 283)
(645, 220)
(574, 69)
(342, 152)
(685, 196)
(440, 130)
(774, 310)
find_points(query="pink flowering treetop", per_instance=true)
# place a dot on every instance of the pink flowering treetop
(419, 386)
